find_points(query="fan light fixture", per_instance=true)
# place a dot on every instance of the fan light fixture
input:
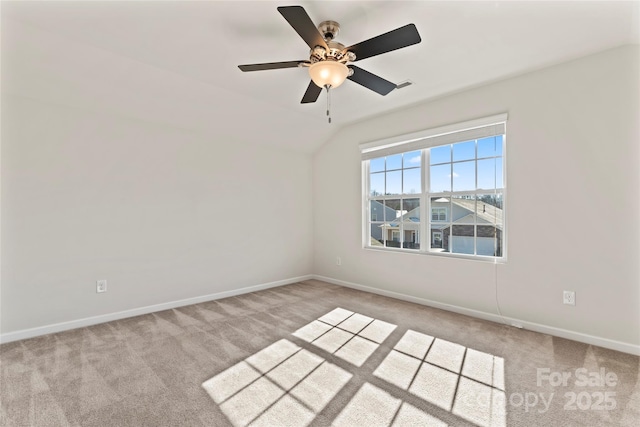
(328, 73)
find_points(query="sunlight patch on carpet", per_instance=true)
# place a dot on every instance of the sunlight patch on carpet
(414, 344)
(350, 336)
(321, 386)
(357, 350)
(269, 357)
(355, 323)
(446, 354)
(286, 412)
(377, 331)
(333, 340)
(398, 369)
(479, 403)
(372, 406)
(336, 316)
(293, 370)
(282, 384)
(258, 396)
(312, 331)
(463, 381)
(285, 384)
(231, 381)
(411, 416)
(435, 385)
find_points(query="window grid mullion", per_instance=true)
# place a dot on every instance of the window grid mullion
(400, 221)
(366, 176)
(475, 198)
(384, 207)
(425, 203)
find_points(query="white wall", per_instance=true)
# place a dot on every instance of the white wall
(166, 215)
(160, 213)
(572, 149)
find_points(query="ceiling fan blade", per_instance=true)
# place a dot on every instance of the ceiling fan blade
(312, 93)
(270, 65)
(300, 21)
(395, 39)
(371, 81)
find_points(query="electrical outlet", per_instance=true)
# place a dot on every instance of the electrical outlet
(569, 297)
(101, 286)
(338, 261)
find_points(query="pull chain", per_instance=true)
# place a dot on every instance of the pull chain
(328, 102)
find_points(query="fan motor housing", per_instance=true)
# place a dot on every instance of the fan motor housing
(329, 29)
(336, 52)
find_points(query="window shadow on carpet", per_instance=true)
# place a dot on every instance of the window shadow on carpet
(285, 384)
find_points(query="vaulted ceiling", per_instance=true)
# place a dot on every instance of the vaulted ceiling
(175, 63)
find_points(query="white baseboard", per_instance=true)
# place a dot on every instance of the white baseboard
(545, 329)
(88, 321)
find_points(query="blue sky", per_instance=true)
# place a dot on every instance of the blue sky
(455, 160)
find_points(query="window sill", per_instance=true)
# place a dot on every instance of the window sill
(481, 258)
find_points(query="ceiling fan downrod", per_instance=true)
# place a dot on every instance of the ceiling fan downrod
(328, 102)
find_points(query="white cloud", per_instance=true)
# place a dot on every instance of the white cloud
(415, 159)
(455, 175)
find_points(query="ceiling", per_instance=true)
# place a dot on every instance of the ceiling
(175, 63)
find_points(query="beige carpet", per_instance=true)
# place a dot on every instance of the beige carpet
(313, 354)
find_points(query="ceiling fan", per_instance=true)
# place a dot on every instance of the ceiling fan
(328, 59)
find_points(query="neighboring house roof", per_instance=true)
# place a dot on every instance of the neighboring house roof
(411, 216)
(383, 208)
(468, 219)
(491, 214)
(436, 226)
(488, 214)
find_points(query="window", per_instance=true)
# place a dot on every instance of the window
(438, 214)
(395, 187)
(454, 173)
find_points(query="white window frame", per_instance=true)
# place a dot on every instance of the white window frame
(422, 141)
